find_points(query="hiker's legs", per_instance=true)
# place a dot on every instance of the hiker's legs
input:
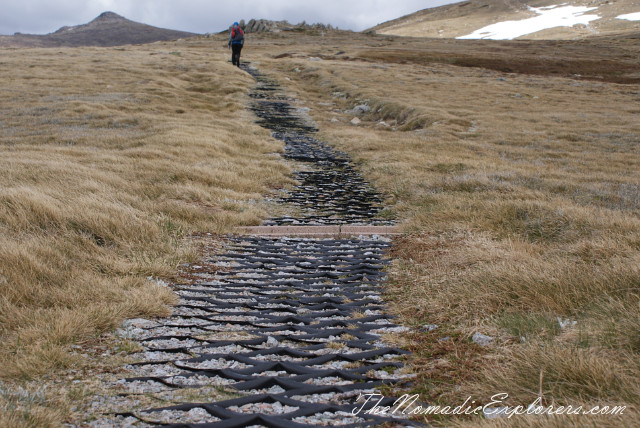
(236, 54)
(233, 54)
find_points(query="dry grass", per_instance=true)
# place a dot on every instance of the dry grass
(520, 195)
(462, 18)
(109, 159)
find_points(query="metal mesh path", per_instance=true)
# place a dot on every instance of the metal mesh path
(332, 192)
(295, 324)
(296, 327)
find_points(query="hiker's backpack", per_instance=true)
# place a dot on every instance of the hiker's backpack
(237, 36)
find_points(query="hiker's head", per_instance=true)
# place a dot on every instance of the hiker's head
(235, 24)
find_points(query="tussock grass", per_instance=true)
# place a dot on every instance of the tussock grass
(563, 421)
(519, 190)
(109, 159)
(519, 195)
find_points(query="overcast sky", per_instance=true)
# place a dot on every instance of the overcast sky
(203, 16)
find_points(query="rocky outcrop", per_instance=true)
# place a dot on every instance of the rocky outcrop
(267, 26)
(264, 26)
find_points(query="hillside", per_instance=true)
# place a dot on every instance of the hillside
(594, 18)
(108, 29)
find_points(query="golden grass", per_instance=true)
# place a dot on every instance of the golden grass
(109, 159)
(520, 196)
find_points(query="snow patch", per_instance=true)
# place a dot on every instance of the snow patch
(548, 17)
(630, 16)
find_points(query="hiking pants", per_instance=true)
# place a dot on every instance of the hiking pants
(235, 53)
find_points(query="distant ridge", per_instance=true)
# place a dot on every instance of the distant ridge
(108, 29)
(461, 19)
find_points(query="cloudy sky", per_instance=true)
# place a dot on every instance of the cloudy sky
(203, 16)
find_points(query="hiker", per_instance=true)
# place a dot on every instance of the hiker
(236, 41)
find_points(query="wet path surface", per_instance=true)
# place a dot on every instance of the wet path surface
(331, 191)
(295, 328)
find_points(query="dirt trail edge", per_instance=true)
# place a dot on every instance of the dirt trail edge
(279, 331)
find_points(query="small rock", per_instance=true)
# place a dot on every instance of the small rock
(481, 339)
(429, 327)
(356, 121)
(314, 58)
(444, 339)
(272, 342)
(361, 109)
(566, 323)
(385, 124)
(157, 281)
(333, 119)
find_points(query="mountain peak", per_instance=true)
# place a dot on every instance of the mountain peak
(107, 29)
(109, 16)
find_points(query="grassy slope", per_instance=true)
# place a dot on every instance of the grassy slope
(462, 18)
(109, 158)
(521, 196)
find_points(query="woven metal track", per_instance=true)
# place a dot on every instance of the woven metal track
(332, 192)
(295, 324)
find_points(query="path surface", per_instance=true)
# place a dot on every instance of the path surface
(294, 326)
(331, 191)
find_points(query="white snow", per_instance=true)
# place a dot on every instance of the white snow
(548, 17)
(630, 16)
